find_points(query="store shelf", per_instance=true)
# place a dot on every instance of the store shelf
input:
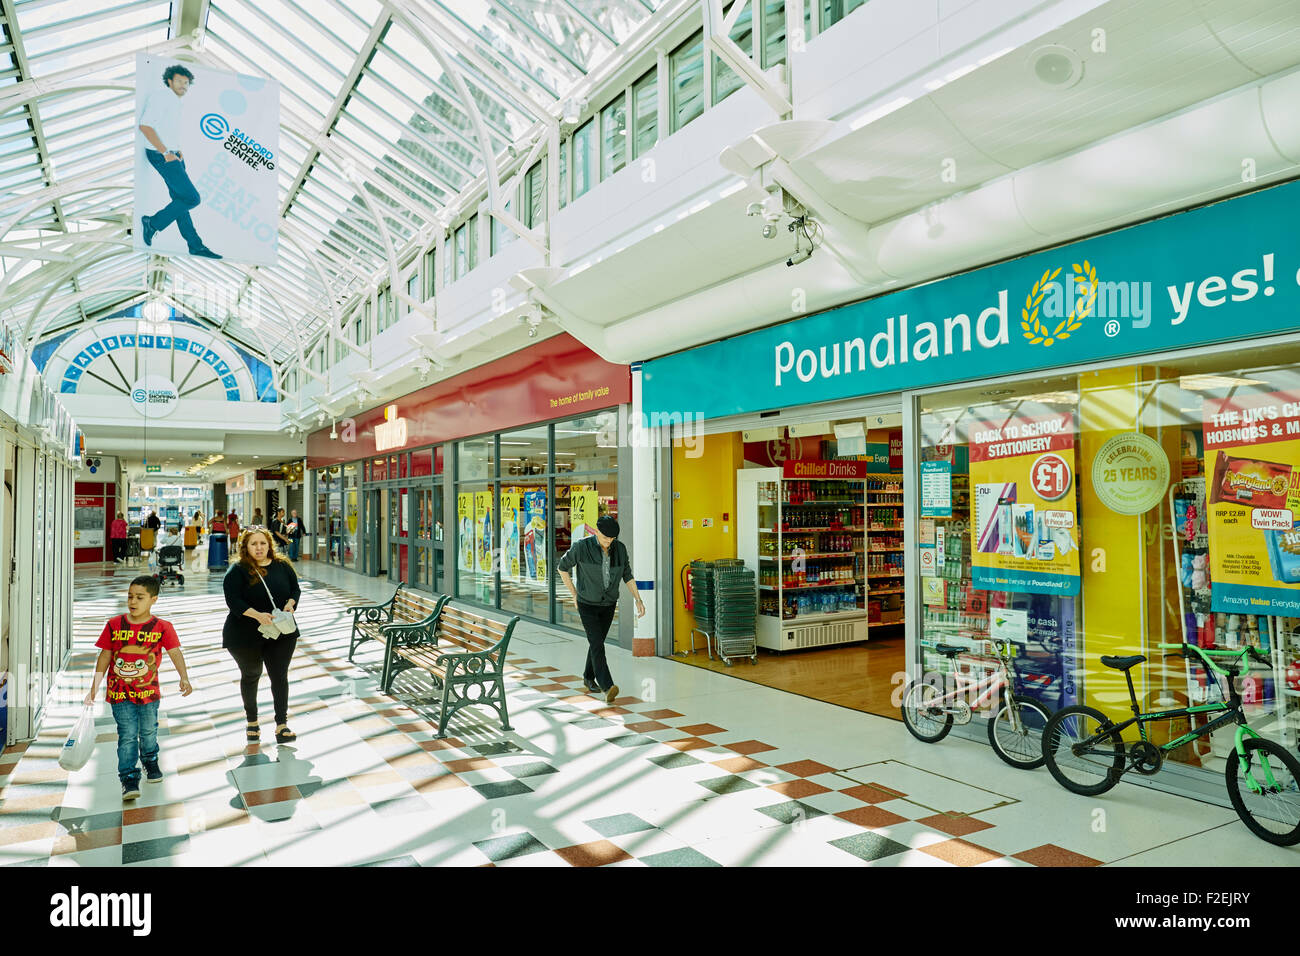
(871, 591)
(811, 587)
(885, 550)
(884, 504)
(847, 527)
(886, 574)
(810, 555)
(823, 502)
(884, 527)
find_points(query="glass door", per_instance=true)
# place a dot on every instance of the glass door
(398, 535)
(428, 537)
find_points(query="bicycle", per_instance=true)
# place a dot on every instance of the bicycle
(1085, 751)
(1016, 729)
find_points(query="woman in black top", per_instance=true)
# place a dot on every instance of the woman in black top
(246, 583)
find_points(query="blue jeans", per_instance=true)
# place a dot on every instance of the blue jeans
(293, 548)
(183, 195)
(137, 738)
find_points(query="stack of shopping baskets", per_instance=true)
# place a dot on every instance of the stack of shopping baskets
(726, 607)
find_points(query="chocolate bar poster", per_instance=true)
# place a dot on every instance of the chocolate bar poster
(1252, 493)
(1025, 538)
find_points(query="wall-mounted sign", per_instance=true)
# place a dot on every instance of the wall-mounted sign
(1131, 473)
(154, 396)
(826, 469)
(391, 432)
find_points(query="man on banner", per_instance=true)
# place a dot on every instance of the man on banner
(160, 125)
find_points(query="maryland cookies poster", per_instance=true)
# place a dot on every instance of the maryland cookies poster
(1252, 490)
(1025, 536)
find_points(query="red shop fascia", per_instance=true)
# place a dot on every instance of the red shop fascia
(555, 379)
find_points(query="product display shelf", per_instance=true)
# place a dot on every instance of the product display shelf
(885, 551)
(807, 538)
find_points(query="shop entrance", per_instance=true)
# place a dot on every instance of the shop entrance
(814, 510)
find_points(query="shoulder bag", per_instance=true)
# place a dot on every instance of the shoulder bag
(283, 620)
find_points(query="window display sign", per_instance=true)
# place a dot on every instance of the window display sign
(936, 489)
(483, 530)
(511, 512)
(1025, 536)
(1252, 467)
(585, 507)
(535, 532)
(1130, 473)
(88, 522)
(827, 469)
(465, 523)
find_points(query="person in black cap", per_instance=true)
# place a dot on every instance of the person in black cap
(603, 564)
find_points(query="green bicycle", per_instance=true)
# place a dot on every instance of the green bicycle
(1086, 753)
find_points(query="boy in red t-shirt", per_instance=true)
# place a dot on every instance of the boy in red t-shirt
(132, 645)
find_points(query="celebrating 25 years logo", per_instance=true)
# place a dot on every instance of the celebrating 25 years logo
(1083, 300)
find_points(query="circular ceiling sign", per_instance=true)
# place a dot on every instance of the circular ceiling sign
(1131, 474)
(154, 396)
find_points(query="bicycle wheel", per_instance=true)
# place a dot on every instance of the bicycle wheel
(925, 718)
(1090, 770)
(1020, 746)
(1273, 815)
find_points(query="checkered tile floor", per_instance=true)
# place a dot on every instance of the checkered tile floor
(647, 780)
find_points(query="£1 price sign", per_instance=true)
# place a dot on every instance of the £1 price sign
(1050, 477)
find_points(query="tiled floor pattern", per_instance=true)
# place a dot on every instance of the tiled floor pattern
(580, 782)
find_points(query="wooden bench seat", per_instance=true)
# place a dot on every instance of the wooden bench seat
(467, 659)
(408, 618)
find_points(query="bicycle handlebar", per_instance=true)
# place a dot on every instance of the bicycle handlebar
(1207, 655)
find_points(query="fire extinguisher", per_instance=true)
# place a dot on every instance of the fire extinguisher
(685, 579)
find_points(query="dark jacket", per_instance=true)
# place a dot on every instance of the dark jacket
(242, 592)
(586, 557)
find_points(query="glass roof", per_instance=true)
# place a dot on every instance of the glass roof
(365, 105)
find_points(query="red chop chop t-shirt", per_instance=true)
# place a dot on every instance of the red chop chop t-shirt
(137, 650)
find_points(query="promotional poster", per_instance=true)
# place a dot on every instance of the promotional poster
(533, 541)
(585, 507)
(483, 530)
(1025, 536)
(511, 567)
(465, 536)
(1252, 491)
(205, 146)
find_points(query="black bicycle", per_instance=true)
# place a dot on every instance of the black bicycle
(1086, 752)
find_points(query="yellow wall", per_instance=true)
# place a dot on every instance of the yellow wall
(703, 487)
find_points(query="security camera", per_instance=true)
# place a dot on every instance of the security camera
(802, 256)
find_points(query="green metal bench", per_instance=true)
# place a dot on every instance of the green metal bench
(468, 660)
(408, 618)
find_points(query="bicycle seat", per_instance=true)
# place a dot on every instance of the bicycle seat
(947, 650)
(1122, 663)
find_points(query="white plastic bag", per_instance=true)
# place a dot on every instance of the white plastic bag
(81, 742)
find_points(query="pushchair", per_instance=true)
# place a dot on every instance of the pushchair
(170, 560)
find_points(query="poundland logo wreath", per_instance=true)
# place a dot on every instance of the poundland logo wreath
(1081, 299)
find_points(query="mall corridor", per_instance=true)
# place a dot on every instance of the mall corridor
(688, 768)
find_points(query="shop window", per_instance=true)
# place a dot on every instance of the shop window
(587, 444)
(686, 72)
(726, 80)
(645, 113)
(475, 542)
(1110, 512)
(379, 470)
(475, 458)
(613, 137)
(348, 522)
(422, 463)
(525, 452)
(525, 532)
(437, 459)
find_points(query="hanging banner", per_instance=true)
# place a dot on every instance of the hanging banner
(1025, 535)
(206, 146)
(511, 512)
(1252, 468)
(584, 510)
(465, 532)
(483, 531)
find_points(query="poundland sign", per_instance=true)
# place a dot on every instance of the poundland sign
(1222, 272)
